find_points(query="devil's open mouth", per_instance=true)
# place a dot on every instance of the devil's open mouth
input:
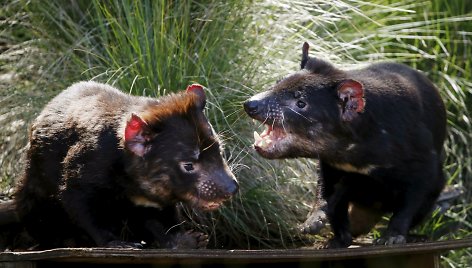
(268, 139)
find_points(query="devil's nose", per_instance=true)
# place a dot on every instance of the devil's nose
(251, 107)
(232, 188)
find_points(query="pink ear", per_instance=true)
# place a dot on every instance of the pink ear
(134, 135)
(133, 127)
(198, 89)
(193, 87)
(352, 102)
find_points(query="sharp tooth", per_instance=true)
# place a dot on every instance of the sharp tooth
(257, 137)
(265, 132)
(254, 121)
(262, 143)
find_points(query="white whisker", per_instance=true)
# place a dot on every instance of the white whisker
(268, 114)
(309, 120)
(283, 119)
(267, 117)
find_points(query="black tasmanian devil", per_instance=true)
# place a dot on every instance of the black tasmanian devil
(378, 133)
(107, 169)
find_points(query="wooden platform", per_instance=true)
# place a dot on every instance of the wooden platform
(415, 255)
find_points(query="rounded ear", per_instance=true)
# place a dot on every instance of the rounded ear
(305, 56)
(351, 99)
(137, 134)
(199, 91)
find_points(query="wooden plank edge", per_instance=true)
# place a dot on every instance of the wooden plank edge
(111, 255)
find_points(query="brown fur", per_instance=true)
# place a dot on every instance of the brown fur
(86, 183)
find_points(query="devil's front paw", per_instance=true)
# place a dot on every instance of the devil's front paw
(390, 240)
(190, 240)
(416, 238)
(337, 243)
(315, 223)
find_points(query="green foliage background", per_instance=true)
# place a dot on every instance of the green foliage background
(237, 48)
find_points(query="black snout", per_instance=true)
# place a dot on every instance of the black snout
(252, 107)
(232, 188)
(226, 184)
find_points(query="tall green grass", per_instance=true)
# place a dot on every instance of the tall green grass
(238, 48)
(20, 65)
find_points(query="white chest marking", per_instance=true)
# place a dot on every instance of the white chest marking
(144, 202)
(350, 168)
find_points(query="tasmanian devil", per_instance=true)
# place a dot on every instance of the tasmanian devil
(378, 133)
(107, 169)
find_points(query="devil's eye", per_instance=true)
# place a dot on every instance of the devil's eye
(301, 104)
(297, 94)
(188, 167)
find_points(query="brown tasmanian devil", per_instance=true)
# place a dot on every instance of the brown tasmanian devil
(107, 169)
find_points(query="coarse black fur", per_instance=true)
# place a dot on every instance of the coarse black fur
(107, 169)
(378, 132)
